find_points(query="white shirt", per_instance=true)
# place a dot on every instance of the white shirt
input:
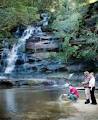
(92, 82)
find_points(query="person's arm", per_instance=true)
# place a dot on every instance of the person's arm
(72, 91)
(86, 81)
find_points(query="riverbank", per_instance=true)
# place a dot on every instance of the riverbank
(85, 111)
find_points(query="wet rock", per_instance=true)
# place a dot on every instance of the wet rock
(27, 65)
(49, 82)
(54, 67)
(34, 68)
(44, 69)
(75, 68)
(17, 83)
(31, 60)
(95, 7)
(91, 22)
(6, 84)
(80, 66)
(18, 30)
(96, 76)
(43, 44)
(19, 62)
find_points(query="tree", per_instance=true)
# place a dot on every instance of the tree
(66, 25)
(70, 24)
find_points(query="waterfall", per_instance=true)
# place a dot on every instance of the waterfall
(34, 31)
(45, 19)
(12, 57)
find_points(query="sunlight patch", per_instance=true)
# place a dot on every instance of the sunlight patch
(92, 1)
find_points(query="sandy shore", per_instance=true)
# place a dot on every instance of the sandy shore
(84, 111)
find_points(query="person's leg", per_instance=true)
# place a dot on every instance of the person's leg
(93, 99)
(87, 94)
(72, 97)
(75, 98)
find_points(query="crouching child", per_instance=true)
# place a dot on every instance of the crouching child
(73, 94)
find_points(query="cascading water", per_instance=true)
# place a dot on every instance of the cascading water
(45, 19)
(13, 53)
(41, 42)
(30, 31)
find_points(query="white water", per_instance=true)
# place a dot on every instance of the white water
(12, 57)
(62, 97)
(70, 75)
(45, 19)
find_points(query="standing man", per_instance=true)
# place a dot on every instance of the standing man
(86, 86)
(92, 88)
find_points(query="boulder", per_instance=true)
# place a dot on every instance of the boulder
(6, 84)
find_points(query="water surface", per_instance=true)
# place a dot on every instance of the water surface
(32, 104)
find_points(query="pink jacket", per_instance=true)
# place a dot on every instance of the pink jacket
(74, 91)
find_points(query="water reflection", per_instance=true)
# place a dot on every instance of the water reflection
(10, 103)
(30, 104)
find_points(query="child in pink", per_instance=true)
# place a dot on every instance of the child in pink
(73, 93)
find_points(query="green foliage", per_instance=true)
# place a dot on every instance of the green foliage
(68, 15)
(67, 53)
(68, 50)
(24, 12)
(10, 17)
(68, 24)
(90, 48)
(88, 54)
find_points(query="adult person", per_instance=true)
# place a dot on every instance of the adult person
(92, 88)
(85, 83)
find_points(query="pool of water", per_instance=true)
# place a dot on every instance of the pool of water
(32, 104)
(35, 103)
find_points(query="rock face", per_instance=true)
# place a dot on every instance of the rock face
(39, 50)
(35, 49)
(81, 66)
(43, 43)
